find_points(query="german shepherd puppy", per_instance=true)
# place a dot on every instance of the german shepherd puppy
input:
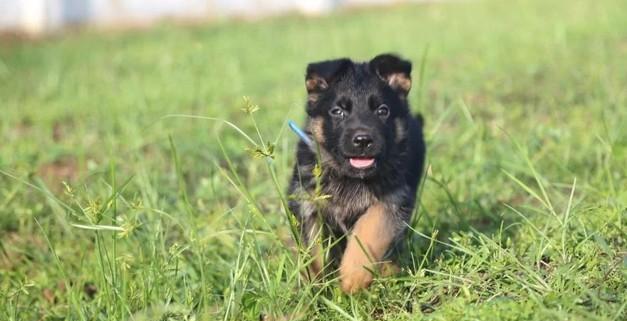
(354, 187)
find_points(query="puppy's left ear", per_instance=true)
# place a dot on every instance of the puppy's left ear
(396, 72)
(320, 75)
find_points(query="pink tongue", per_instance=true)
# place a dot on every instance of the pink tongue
(361, 162)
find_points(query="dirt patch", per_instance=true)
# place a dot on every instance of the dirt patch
(21, 129)
(62, 128)
(63, 169)
(16, 249)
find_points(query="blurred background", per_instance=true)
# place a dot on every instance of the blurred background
(42, 16)
(110, 207)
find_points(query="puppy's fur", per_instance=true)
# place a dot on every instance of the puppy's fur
(370, 153)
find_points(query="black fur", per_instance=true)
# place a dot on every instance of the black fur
(395, 142)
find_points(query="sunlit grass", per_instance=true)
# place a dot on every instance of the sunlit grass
(136, 183)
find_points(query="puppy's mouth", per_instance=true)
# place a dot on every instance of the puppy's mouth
(362, 162)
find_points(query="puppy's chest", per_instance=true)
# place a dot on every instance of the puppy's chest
(347, 202)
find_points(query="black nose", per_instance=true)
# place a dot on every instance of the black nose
(362, 140)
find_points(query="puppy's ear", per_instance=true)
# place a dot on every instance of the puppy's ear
(395, 71)
(322, 74)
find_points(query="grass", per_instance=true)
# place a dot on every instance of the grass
(521, 217)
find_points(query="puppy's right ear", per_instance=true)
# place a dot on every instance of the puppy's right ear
(320, 75)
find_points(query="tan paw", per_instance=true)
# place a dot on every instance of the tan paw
(354, 278)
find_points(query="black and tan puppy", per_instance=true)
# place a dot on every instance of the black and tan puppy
(370, 152)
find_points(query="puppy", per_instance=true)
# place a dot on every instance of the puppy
(354, 185)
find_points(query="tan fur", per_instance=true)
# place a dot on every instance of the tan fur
(315, 126)
(311, 84)
(400, 81)
(315, 83)
(312, 98)
(375, 233)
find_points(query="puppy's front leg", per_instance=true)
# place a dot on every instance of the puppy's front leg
(370, 238)
(315, 250)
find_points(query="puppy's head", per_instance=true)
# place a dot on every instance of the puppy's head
(358, 111)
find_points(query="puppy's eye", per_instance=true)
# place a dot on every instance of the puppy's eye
(383, 111)
(337, 112)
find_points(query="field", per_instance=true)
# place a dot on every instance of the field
(114, 206)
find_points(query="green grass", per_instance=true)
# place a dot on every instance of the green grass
(521, 217)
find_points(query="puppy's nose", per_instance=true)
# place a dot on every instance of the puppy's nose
(362, 140)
